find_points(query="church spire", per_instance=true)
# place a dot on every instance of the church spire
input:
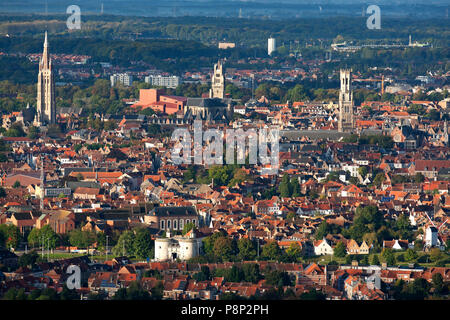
(46, 108)
(45, 57)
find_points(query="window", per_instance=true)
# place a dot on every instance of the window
(187, 221)
(175, 224)
(181, 224)
(162, 225)
(193, 221)
(168, 224)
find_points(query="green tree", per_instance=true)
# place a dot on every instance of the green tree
(294, 252)
(295, 188)
(234, 274)
(82, 239)
(33, 132)
(203, 275)
(410, 255)
(188, 227)
(278, 278)
(247, 250)
(2, 192)
(367, 219)
(50, 237)
(15, 294)
(133, 292)
(11, 235)
(388, 256)
(322, 230)
(125, 244)
(28, 259)
(375, 261)
(157, 291)
(224, 249)
(271, 251)
(363, 171)
(419, 178)
(220, 174)
(251, 272)
(312, 295)
(208, 242)
(239, 176)
(379, 179)
(340, 250)
(143, 244)
(438, 282)
(435, 254)
(298, 93)
(285, 186)
(16, 130)
(67, 294)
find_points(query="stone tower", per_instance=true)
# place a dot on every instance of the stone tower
(46, 108)
(346, 119)
(217, 82)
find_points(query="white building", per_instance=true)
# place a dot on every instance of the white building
(322, 247)
(178, 247)
(163, 81)
(352, 168)
(271, 46)
(240, 109)
(431, 237)
(121, 78)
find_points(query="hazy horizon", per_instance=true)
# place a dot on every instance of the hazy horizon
(230, 8)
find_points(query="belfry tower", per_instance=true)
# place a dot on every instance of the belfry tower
(217, 82)
(46, 107)
(346, 119)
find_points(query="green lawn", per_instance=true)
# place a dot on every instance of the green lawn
(327, 258)
(59, 256)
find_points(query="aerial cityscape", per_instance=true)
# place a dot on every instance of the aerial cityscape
(248, 154)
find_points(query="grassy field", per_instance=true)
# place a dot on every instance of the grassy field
(327, 258)
(322, 260)
(67, 255)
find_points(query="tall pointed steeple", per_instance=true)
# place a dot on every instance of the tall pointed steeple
(46, 40)
(45, 57)
(46, 107)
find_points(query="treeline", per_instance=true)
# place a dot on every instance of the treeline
(369, 226)
(381, 141)
(173, 56)
(249, 32)
(220, 248)
(408, 62)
